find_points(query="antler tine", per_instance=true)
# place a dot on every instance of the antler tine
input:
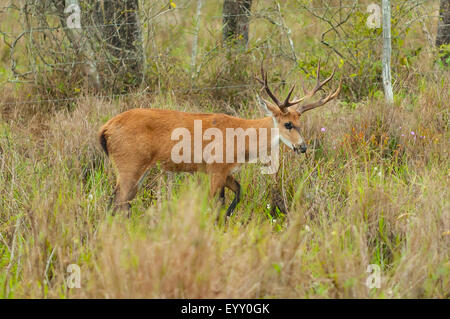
(318, 86)
(262, 81)
(286, 102)
(266, 87)
(329, 78)
(322, 101)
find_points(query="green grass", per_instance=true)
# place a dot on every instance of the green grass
(367, 192)
(351, 204)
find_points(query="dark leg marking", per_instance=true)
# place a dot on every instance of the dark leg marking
(278, 202)
(222, 195)
(237, 191)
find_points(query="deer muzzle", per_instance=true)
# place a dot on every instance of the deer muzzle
(301, 148)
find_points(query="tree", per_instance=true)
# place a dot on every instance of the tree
(443, 34)
(236, 16)
(72, 28)
(121, 30)
(111, 47)
(387, 48)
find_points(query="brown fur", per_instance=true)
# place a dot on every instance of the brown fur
(139, 138)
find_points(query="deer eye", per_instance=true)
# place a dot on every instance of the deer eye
(288, 125)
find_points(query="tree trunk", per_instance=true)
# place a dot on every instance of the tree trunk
(195, 40)
(68, 9)
(112, 52)
(236, 14)
(387, 48)
(119, 25)
(443, 34)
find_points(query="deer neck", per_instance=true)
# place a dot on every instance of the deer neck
(265, 122)
(264, 131)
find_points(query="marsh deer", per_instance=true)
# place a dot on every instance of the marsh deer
(137, 139)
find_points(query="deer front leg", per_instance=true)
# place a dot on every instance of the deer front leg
(232, 184)
(218, 186)
(277, 198)
(222, 196)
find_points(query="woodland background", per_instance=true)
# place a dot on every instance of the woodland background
(372, 189)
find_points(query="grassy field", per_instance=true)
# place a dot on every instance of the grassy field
(372, 189)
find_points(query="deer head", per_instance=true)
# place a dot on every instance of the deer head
(286, 114)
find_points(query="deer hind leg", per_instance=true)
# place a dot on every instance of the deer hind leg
(232, 184)
(127, 186)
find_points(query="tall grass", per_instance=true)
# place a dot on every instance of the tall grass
(372, 189)
(365, 195)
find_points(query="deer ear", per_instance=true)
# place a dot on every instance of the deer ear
(268, 108)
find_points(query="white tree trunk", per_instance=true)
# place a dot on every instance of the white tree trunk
(387, 48)
(195, 40)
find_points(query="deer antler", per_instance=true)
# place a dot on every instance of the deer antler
(317, 88)
(266, 86)
(322, 101)
(283, 106)
(286, 103)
